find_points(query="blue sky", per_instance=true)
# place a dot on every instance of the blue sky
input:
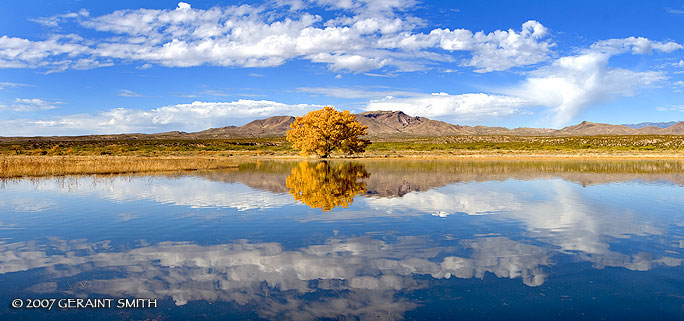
(95, 67)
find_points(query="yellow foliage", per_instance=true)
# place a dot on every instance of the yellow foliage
(322, 131)
(326, 186)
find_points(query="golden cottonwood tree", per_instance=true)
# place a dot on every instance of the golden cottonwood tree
(326, 186)
(322, 131)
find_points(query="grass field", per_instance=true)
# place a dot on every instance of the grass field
(22, 166)
(132, 147)
(279, 146)
(40, 157)
(537, 143)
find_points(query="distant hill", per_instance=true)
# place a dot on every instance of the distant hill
(648, 124)
(275, 126)
(396, 123)
(391, 124)
(676, 129)
(587, 128)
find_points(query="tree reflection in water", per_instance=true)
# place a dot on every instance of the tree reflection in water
(326, 186)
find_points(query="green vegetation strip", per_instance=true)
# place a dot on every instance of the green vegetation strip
(279, 146)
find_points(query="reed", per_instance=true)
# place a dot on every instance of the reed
(21, 166)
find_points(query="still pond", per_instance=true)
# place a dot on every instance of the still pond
(368, 240)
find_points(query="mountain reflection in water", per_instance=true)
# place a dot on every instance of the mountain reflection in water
(399, 239)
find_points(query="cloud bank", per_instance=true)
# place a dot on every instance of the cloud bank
(461, 107)
(186, 117)
(564, 87)
(354, 36)
(365, 36)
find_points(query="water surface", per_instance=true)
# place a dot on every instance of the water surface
(380, 240)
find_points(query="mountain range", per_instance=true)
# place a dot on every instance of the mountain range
(649, 124)
(396, 124)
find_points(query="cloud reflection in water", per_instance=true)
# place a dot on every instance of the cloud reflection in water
(349, 276)
(363, 273)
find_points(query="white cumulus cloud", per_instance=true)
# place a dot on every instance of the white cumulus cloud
(572, 83)
(368, 35)
(463, 107)
(564, 87)
(55, 54)
(497, 50)
(637, 45)
(501, 49)
(186, 117)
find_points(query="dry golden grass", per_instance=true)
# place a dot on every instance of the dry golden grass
(20, 166)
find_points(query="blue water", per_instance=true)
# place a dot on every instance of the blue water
(439, 243)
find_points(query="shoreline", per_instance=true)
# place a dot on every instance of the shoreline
(18, 166)
(40, 166)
